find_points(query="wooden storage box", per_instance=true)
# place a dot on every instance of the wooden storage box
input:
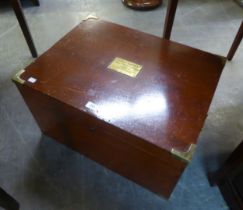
(131, 101)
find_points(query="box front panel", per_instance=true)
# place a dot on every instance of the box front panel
(82, 133)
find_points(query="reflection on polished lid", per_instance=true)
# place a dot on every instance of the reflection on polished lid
(147, 105)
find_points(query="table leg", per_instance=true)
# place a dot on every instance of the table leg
(23, 24)
(169, 19)
(7, 202)
(236, 43)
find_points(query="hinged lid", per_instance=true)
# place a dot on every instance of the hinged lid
(157, 90)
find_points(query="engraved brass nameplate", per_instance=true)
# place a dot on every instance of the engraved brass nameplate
(125, 67)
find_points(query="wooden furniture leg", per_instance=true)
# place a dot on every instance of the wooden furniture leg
(229, 179)
(170, 16)
(236, 43)
(8, 202)
(23, 24)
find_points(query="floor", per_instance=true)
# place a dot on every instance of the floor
(43, 175)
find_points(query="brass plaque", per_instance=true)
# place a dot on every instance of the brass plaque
(125, 67)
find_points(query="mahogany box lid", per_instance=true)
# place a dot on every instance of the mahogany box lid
(152, 88)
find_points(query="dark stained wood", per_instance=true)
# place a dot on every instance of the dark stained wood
(23, 24)
(169, 19)
(229, 179)
(142, 4)
(180, 78)
(236, 43)
(138, 120)
(108, 145)
(8, 202)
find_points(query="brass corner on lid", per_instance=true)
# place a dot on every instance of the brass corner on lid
(17, 78)
(91, 17)
(185, 156)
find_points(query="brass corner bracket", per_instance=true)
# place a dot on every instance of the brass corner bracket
(185, 156)
(91, 17)
(17, 78)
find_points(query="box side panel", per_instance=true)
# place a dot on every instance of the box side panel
(83, 134)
